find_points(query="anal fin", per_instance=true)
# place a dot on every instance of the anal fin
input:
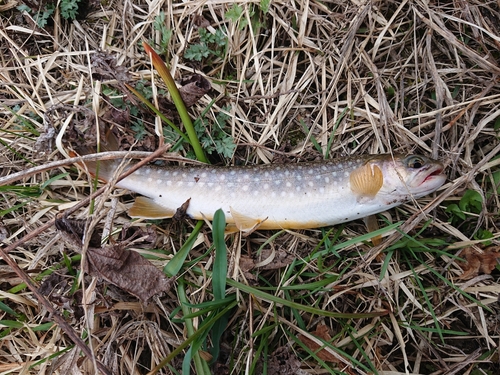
(245, 223)
(147, 208)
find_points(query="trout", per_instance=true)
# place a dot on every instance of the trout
(282, 196)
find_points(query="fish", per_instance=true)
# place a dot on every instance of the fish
(303, 195)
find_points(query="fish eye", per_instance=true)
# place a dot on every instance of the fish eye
(415, 162)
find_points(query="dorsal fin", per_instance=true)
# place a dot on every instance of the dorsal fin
(147, 208)
(366, 180)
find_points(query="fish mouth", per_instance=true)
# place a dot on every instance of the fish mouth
(432, 173)
(431, 178)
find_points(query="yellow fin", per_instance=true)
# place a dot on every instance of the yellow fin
(147, 208)
(366, 180)
(244, 223)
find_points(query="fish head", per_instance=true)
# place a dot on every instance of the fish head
(411, 176)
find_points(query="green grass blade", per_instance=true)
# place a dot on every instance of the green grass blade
(158, 113)
(177, 99)
(173, 267)
(220, 265)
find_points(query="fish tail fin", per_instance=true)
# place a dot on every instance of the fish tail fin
(103, 169)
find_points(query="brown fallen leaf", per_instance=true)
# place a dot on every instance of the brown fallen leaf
(124, 268)
(104, 68)
(283, 362)
(477, 263)
(193, 88)
(322, 333)
(268, 260)
(281, 259)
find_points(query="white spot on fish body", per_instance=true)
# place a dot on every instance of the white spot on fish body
(217, 188)
(204, 174)
(318, 177)
(233, 172)
(169, 183)
(298, 188)
(233, 194)
(283, 193)
(159, 182)
(310, 171)
(266, 186)
(323, 167)
(179, 183)
(273, 194)
(256, 179)
(245, 188)
(266, 174)
(255, 193)
(148, 170)
(184, 175)
(210, 184)
(277, 182)
(167, 173)
(310, 183)
(288, 184)
(334, 174)
(321, 190)
(327, 179)
(222, 177)
(346, 174)
(150, 179)
(175, 173)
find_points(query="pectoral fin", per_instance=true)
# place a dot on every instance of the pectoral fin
(366, 180)
(147, 208)
(244, 223)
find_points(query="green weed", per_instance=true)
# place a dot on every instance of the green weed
(210, 45)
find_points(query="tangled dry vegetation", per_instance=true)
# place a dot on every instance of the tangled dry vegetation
(290, 80)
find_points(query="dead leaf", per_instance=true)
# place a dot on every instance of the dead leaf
(200, 21)
(283, 362)
(193, 88)
(281, 259)
(127, 270)
(104, 68)
(181, 213)
(322, 333)
(124, 268)
(246, 263)
(477, 263)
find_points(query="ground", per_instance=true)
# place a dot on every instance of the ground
(86, 289)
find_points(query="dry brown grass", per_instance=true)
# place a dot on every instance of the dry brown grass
(411, 76)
